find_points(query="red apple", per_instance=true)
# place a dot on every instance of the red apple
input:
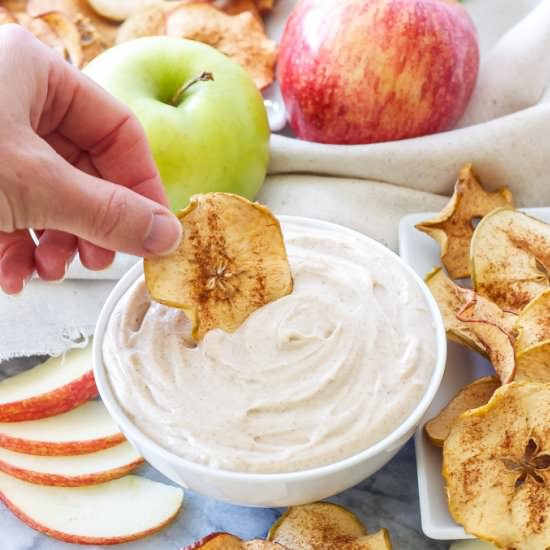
(365, 71)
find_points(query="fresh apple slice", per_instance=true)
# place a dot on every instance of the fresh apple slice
(225, 541)
(533, 323)
(53, 387)
(72, 471)
(118, 511)
(86, 429)
(470, 397)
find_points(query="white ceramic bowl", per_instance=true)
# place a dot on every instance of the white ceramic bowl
(283, 489)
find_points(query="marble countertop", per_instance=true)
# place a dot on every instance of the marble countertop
(387, 499)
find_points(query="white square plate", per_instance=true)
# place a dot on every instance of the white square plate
(422, 254)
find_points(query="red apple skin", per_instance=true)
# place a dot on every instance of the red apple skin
(76, 539)
(57, 401)
(366, 71)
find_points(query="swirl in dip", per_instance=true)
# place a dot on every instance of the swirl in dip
(307, 380)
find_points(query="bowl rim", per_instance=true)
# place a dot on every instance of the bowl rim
(387, 444)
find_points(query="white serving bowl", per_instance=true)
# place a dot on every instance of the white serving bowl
(267, 490)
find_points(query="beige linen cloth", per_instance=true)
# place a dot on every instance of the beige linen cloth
(505, 133)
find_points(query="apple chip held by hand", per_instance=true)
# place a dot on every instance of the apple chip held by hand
(510, 258)
(325, 526)
(231, 261)
(496, 463)
(472, 396)
(453, 229)
(241, 37)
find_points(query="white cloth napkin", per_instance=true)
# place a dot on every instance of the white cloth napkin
(505, 133)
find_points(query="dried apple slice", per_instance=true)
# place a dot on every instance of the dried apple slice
(68, 33)
(472, 396)
(36, 8)
(6, 16)
(510, 258)
(533, 363)
(472, 545)
(451, 299)
(495, 465)
(478, 308)
(453, 229)
(119, 10)
(231, 261)
(241, 37)
(316, 526)
(533, 323)
(149, 22)
(225, 541)
(498, 344)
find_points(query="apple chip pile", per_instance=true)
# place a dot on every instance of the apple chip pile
(81, 29)
(317, 526)
(231, 261)
(234, 27)
(495, 432)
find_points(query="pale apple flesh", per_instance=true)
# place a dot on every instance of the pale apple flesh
(72, 471)
(118, 511)
(86, 429)
(364, 71)
(215, 139)
(53, 387)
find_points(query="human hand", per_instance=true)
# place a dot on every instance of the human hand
(75, 166)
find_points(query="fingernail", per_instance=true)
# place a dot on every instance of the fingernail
(164, 235)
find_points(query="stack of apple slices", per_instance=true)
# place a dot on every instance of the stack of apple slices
(63, 461)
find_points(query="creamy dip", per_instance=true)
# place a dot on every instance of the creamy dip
(307, 380)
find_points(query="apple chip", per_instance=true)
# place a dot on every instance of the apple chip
(533, 363)
(119, 10)
(510, 258)
(231, 261)
(325, 526)
(265, 6)
(495, 464)
(68, 33)
(533, 323)
(6, 16)
(451, 299)
(149, 22)
(241, 37)
(472, 396)
(453, 228)
(40, 7)
(498, 344)
(234, 7)
(225, 541)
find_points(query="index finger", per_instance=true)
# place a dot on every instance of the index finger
(94, 121)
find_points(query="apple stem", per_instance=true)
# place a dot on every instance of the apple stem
(203, 77)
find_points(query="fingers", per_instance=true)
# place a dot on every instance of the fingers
(16, 260)
(94, 257)
(94, 121)
(108, 215)
(53, 255)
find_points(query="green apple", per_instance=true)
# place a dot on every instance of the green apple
(205, 134)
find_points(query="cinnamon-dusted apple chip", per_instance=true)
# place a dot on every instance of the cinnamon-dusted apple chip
(533, 363)
(497, 343)
(451, 298)
(453, 228)
(67, 32)
(225, 541)
(472, 396)
(231, 261)
(533, 323)
(496, 463)
(325, 526)
(241, 37)
(510, 258)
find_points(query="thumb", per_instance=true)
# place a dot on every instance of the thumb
(58, 196)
